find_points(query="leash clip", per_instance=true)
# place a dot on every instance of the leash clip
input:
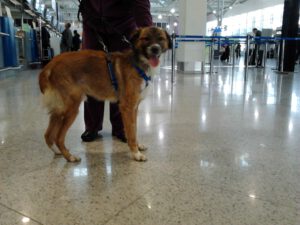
(100, 40)
(125, 40)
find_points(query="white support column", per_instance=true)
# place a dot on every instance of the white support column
(192, 21)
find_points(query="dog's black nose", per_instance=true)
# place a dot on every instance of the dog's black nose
(155, 50)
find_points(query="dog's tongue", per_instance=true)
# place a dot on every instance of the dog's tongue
(154, 61)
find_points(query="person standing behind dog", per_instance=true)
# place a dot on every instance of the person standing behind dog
(109, 19)
(66, 39)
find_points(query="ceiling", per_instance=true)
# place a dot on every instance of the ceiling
(69, 7)
(215, 8)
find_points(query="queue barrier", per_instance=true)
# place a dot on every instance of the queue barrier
(248, 40)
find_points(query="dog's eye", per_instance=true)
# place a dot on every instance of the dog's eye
(161, 39)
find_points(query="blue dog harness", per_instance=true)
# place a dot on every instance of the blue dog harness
(112, 74)
(142, 74)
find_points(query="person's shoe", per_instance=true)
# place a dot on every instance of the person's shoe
(120, 136)
(89, 136)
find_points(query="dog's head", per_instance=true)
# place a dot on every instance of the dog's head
(149, 43)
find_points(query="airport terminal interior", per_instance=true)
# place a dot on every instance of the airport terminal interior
(222, 138)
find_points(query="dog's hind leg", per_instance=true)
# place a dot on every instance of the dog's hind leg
(67, 121)
(129, 115)
(52, 130)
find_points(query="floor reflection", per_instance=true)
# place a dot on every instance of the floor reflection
(215, 142)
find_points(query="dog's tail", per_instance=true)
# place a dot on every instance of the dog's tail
(44, 80)
(52, 99)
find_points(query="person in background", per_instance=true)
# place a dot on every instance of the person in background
(256, 33)
(111, 20)
(46, 56)
(238, 50)
(76, 41)
(66, 39)
(226, 54)
(45, 38)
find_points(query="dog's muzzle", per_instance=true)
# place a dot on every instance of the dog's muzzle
(154, 51)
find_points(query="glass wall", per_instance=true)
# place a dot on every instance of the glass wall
(267, 18)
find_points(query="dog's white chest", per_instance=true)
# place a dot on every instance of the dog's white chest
(144, 89)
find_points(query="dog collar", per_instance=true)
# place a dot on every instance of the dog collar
(143, 74)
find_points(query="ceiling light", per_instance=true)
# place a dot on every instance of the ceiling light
(175, 24)
(230, 7)
(214, 12)
(172, 10)
(168, 26)
(159, 17)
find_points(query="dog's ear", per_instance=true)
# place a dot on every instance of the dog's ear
(169, 40)
(135, 36)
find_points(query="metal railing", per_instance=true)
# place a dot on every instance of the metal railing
(232, 40)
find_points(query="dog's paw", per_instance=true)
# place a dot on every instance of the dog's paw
(138, 156)
(74, 159)
(142, 148)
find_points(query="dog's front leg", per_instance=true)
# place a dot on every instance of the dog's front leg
(129, 115)
(141, 147)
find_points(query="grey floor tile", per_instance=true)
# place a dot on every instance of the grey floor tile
(220, 151)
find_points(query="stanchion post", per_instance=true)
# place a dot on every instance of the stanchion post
(282, 56)
(211, 56)
(41, 41)
(265, 54)
(233, 55)
(173, 57)
(247, 56)
(278, 55)
(204, 58)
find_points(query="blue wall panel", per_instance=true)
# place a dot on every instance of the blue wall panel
(34, 46)
(1, 53)
(9, 42)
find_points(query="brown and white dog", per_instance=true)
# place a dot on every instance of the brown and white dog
(69, 77)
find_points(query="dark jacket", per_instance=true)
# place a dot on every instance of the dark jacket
(45, 38)
(66, 41)
(122, 15)
(76, 42)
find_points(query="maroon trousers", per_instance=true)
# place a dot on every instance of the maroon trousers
(94, 113)
(93, 109)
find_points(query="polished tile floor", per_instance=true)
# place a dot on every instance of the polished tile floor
(221, 151)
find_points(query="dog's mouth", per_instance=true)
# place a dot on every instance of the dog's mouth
(154, 60)
(154, 52)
